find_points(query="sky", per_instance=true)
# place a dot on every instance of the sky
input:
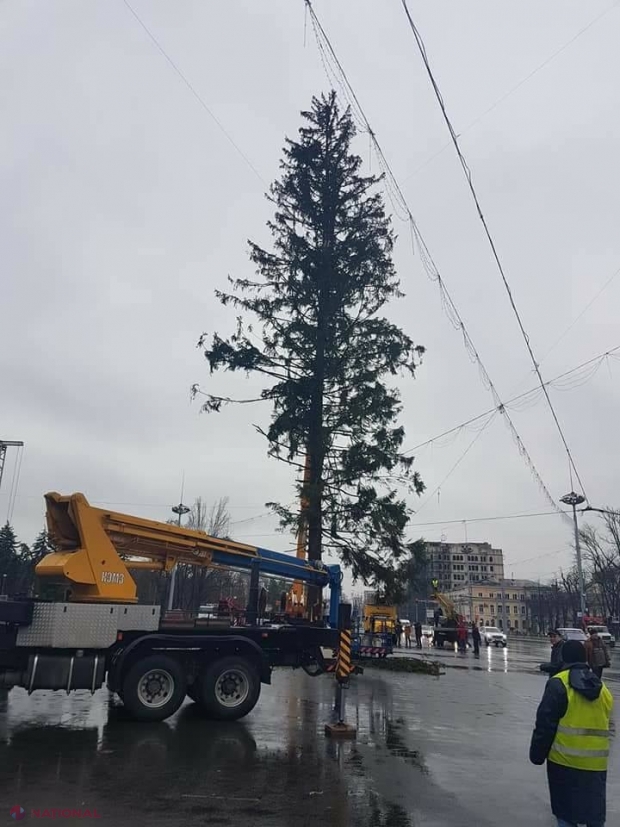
(129, 194)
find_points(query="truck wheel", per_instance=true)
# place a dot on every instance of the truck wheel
(504, 643)
(154, 688)
(229, 688)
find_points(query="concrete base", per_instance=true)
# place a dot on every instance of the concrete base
(340, 731)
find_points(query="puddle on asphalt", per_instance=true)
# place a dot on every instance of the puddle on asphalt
(390, 815)
(397, 747)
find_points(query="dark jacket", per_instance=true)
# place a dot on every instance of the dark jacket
(577, 796)
(475, 633)
(555, 665)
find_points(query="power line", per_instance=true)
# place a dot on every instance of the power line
(473, 419)
(512, 90)
(468, 176)
(536, 557)
(17, 468)
(195, 93)
(493, 519)
(457, 463)
(583, 312)
(398, 200)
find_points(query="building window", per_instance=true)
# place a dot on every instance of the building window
(514, 597)
(516, 624)
(491, 595)
(522, 597)
(492, 609)
(516, 610)
(500, 609)
(491, 568)
(480, 610)
(479, 594)
(522, 610)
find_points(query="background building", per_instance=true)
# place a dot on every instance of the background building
(501, 603)
(458, 564)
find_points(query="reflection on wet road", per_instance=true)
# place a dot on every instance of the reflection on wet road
(430, 751)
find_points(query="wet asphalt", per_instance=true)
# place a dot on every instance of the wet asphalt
(429, 751)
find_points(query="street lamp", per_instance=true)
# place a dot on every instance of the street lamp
(574, 500)
(179, 510)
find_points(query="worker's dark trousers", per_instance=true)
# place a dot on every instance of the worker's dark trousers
(418, 642)
(476, 647)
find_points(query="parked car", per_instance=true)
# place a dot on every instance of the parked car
(573, 634)
(604, 634)
(493, 635)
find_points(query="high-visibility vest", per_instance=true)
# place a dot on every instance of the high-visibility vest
(582, 737)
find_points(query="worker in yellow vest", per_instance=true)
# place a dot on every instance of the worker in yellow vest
(572, 735)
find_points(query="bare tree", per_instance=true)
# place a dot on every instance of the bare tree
(601, 552)
(570, 601)
(193, 582)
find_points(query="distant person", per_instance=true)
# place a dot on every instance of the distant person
(398, 630)
(418, 634)
(408, 635)
(475, 636)
(597, 654)
(572, 736)
(461, 637)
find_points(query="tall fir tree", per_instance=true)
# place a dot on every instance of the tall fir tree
(325, 351)
(43, 544)
(9, 559)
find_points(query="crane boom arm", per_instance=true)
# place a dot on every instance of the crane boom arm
(96, 548)
(446, 604)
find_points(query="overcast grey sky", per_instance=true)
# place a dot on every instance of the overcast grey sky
(124, 206)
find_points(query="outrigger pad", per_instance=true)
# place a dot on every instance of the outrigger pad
(340, 731)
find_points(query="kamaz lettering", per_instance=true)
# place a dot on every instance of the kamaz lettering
(112, 577)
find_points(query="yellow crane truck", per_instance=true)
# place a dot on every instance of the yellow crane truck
(94, 631)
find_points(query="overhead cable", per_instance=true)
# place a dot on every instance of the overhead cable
(498, 262)
(514, 88)
(195, 93)
(397, 198)
(596, 362)
(583, 312)
(492, 519)
(457, 463)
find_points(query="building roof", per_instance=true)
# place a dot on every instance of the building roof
(504, 583)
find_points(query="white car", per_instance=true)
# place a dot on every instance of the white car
(573, 634)
(493, 635)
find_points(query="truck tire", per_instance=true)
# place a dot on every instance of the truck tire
(154, 688)
(229, 688)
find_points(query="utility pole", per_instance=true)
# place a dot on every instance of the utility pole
(4, 444)
(574, 500)
(179, 510)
